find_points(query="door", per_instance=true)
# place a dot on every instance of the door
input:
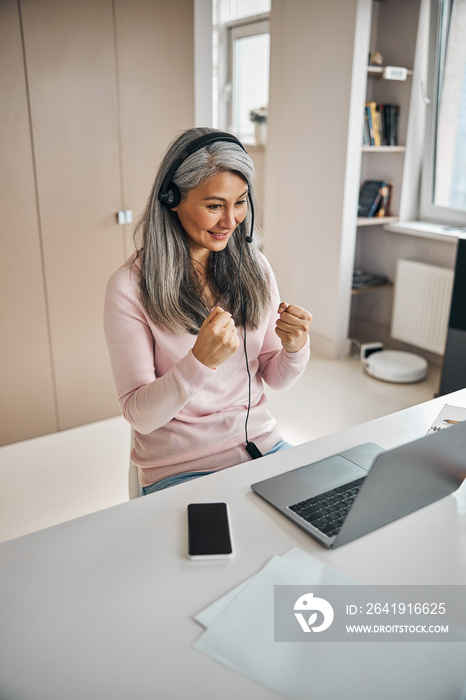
(26, 375)
(70, 63)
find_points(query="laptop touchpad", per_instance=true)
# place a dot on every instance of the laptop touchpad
(331, 472)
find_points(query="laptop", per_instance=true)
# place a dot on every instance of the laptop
(347, 495)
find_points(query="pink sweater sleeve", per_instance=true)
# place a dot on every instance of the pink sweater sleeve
(147, 401)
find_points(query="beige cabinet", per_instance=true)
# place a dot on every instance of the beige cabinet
(94, 98)
(26, 375)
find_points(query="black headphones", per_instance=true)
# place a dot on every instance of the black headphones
(169, 193)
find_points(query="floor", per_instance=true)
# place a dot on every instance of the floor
(54, 478)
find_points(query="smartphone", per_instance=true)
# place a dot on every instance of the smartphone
(208, 531)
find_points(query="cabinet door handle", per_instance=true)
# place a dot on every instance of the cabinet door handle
(124, 216)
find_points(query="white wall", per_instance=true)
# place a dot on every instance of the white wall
(203, 112)
(316, 100)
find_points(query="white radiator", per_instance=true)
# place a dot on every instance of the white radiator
(421, 305)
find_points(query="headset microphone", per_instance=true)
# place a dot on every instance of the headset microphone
(249, 238)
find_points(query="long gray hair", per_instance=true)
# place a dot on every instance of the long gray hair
(170, 288)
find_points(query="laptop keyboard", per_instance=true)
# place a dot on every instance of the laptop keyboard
(327, 511)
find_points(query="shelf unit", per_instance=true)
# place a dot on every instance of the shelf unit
(364, 290)
(375, 220)
(383, 149)
(394, 33)
(376, 170)
(377, 71)
(385, 162)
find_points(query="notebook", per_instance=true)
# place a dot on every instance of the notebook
(347, 495)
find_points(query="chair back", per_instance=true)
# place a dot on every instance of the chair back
(134, 490)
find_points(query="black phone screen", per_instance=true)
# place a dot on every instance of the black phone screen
(208, 530)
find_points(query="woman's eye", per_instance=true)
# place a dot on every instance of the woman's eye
(217, 207)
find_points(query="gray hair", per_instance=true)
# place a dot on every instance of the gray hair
(170, 289)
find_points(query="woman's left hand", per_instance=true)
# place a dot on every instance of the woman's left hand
(293, 326)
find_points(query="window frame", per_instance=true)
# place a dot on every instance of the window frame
(226, 34)
(429, 211)
(240, 29)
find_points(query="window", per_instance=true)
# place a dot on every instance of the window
(249, 52)
(246, 8)
(443, 197)
(242, 67)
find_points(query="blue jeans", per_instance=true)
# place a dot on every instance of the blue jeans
(181, 478)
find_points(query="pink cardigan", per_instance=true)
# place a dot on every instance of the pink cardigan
(185, 416)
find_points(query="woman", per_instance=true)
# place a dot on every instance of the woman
(177, 312)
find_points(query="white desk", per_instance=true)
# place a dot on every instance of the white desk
(102, 606)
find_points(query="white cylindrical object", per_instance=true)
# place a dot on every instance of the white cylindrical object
(396, 366)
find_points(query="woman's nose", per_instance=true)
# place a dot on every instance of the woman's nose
(228, 219)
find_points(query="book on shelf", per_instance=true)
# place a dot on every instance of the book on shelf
(380, 124)
(384, 206)
(363, 279)
(374, 199)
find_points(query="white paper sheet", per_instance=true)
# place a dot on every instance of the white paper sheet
(322, 574)
(240, 635)
(449, 415)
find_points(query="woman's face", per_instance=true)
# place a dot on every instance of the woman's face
(210, 213)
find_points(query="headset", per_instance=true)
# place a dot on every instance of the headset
(170, 196)
(169, 193)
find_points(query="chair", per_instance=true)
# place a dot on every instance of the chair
(134, 490)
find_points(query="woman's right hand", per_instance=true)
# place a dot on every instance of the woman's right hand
(217, 339)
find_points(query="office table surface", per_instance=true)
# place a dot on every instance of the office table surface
(102, 606)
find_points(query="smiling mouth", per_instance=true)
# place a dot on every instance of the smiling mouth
(219, 235)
